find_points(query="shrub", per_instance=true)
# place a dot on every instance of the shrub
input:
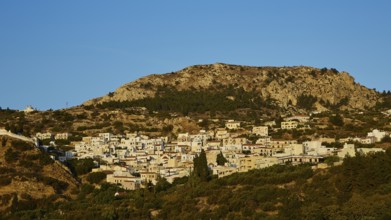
(82, 166)
(11, 156)
(96, 177)
(4, 181)
(58, 185)
(336, 120)
(386, 139)
(44, 159)
(21, 145)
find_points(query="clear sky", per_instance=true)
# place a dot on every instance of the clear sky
(58, 52)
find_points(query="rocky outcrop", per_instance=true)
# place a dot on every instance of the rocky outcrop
(283, 84)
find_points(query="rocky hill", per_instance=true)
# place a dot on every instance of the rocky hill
(288, 86)
(29, 177)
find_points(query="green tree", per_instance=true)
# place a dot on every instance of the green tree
(168, 129)
(330, 160)
(96, 177)
(81, 166)
(162, 185)
(220, 159)
(201, 170)
(386, 139)
(204, 123)
(11, 156)
(3, 141)
(336, 120)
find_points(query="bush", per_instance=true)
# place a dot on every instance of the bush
(26, 163)
(3, 141)
(81, 166)
(11, 156)
(336, 120)
(4, 181)
(162, 185)
(5, 170)
(58, 185)
(96, 177)
(386, 139)
(45, 159)
(21, 145)
(331, 160)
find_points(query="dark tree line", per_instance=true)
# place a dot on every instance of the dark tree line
(200, 101)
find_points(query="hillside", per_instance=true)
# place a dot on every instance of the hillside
(301, 87)
(358, 189)
(30, 178)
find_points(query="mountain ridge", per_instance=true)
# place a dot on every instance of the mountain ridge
(283, 84)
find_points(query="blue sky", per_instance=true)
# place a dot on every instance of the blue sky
(58, 52)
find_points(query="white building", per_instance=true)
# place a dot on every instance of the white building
(231, 124)
(270, 123)
(43, 136)
(316, 148)
(222, 171)
(347, 150)
(183, 139)
(105, 137)
(300, 118)
(378, 135)
(29, 109)
(221, 133)
(369, 150)
(289, 125)
(294, 149)
(62, 136)
(261, 131)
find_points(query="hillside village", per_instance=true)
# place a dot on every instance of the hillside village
(133, 160)
(139, 152)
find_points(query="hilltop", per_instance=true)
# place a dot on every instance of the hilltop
(161, 104)
(300, 87)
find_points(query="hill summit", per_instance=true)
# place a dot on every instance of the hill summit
(295, 86)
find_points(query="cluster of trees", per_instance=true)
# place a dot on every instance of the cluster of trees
(17, 123)
(62, 116)
(337, 120)
(80, 166)
(306, 101)
(325, 70)
(201, 170)
(96, 177)
(171, 100)
(385, 103)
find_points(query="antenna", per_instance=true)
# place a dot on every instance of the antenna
(66, 104)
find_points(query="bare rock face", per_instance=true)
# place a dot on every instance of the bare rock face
(283, 84)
